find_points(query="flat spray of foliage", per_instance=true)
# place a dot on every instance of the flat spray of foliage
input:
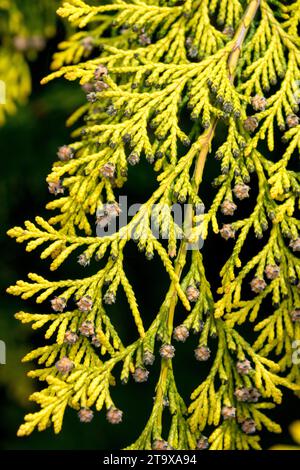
(154, 65)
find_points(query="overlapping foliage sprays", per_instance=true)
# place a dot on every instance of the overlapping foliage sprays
(153, 66)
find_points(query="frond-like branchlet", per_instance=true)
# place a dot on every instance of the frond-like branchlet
(161, 78)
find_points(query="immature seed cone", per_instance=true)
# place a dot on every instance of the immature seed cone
(167, 351)
(64, 365)
(83, 260)
(228, 412)
(202, 353)
(133, 159)
(21, 43)
(100, 72)
(88, 43)
(148, 358)
(65, 153)
(258, 285)
(160, 444)
(242, 394)
(181, 333)
(108, 170)
(56, 187)
(227, 231)
(292, 120)
(112, 209)
(88, 88)
(91, 97)
(58, 304)
(111, 111)
(259, 103)
(85, 415)
(87, 328)
(227, 107)
(96, 342)
(85, 304)
(248, 426)
(250, 395)
(192, 293)
(295, 244)
(114, 416)
(140, 375)
(243, 367)
(250, 124)
(193, 52)
(202, 443)
(228, 207)
(295, 315)
(71, 337)
(272, 271)
(254, 395)
(100, 86)
(241, 191)
(109, 298)
(144, 40)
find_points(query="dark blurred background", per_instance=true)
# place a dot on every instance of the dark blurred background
(28, 143)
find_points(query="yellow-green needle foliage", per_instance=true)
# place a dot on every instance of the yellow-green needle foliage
(162, 78)
(24, 28)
